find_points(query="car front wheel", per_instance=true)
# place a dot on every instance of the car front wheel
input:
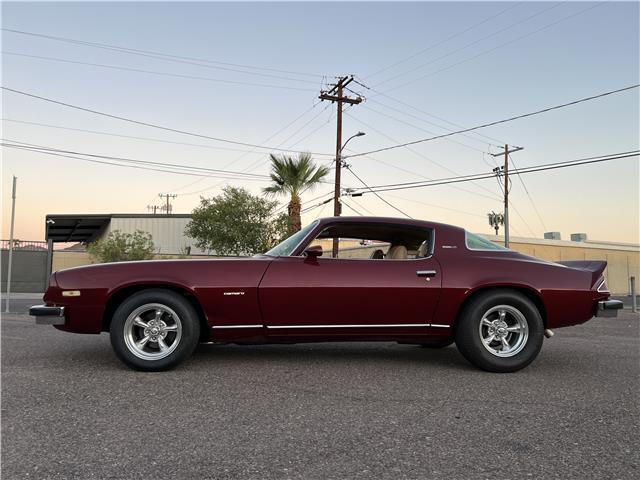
(500, 331)
(154, 330)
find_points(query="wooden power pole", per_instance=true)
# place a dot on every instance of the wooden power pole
(336, 94)
(167, 196)
(505, 171)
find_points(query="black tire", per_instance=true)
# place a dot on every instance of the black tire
(469, 334)
(437, 343)
(178, 322)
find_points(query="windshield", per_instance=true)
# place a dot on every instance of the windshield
(476, 242)
(286, 248)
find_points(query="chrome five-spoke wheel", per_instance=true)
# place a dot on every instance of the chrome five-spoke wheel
(152, 331)
(504, 331)
(500, 330)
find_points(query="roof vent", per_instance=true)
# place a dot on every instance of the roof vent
(578, 237)
(552, 235)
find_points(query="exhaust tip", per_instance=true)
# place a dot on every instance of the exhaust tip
(548, 333)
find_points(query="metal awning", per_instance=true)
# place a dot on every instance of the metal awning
(75, 228)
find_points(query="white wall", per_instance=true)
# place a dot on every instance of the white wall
(167, 232)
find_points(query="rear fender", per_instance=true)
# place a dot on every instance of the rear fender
(595, 267)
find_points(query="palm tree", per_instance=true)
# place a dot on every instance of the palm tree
(496, 220)
(292, 177)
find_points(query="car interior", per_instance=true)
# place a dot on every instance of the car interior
(377, 241)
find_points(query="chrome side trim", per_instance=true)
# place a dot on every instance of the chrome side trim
(383, 325)
(236, 326)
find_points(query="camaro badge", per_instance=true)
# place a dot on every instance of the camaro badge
(233, 293)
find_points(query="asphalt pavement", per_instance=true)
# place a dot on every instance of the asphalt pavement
(71, 410)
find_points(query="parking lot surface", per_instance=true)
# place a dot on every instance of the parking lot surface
(71, 410)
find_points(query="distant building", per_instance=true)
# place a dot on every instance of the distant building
(167, 231)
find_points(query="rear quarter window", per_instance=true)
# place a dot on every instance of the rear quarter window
(476, 242)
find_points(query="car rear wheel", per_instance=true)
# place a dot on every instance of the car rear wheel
(500, 331)
(154, 330)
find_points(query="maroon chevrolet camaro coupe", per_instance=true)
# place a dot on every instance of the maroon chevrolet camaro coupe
(406, 281)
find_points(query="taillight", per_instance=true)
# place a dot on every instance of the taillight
(603, 288)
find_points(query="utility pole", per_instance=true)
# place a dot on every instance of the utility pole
(152, 208)
(167, 196)
(505, 171)
(9, 264)
(336, 94)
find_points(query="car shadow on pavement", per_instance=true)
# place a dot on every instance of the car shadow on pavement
(329, 353)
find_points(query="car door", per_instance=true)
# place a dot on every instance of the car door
(349, 294)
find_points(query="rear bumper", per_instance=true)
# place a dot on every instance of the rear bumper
(608, 308)
(47, 315)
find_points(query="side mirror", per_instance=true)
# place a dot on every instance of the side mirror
(313, 252)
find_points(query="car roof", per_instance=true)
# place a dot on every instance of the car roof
(394, 220)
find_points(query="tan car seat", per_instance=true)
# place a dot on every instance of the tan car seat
(397, 252)
(423, 250)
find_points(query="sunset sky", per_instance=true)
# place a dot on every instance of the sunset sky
(432, 67)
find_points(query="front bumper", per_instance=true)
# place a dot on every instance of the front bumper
(47, 315)
(608, 308)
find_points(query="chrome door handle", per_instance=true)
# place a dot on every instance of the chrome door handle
(426, 273)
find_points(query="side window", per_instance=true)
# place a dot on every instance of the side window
(476, 242)
(381, 242)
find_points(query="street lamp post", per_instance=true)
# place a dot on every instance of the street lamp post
(337, 207)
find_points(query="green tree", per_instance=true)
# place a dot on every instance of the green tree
(122, 247)
(292, 177)
(236, 223)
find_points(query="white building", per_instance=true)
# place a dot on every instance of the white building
(167, 231)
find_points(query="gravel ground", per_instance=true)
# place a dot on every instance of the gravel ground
(70, 410)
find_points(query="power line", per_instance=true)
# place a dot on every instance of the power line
(258, 162)
(129, 162)
(132, 137)
(420, 155)
(151, 125)
(320, 211)
(498, 122)
(308, 209)
(173, 172)
(421, 129)
(492, 174)
(433, 205)
(365, 209)
(473, 43)
(165, 74)
(451, 37)
(533, 204)
(480, 176)
(416, 174)
(148, 162)
(376, 193)
(521, 218)
(489, 140)
(351, 207)
(500, 45)
(159, 55)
